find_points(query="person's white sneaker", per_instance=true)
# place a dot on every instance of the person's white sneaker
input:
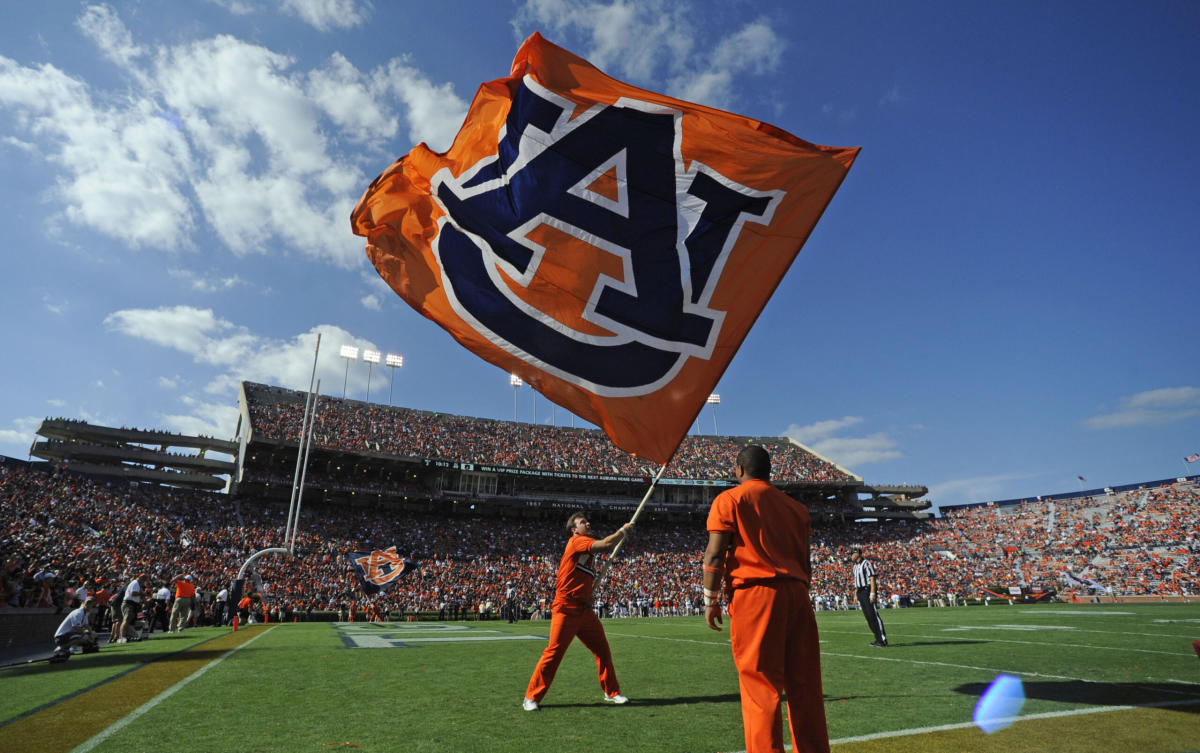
(616, 698)
(122, 640)
(529, 704)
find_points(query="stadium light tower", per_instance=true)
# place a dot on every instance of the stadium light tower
(372, 359)
(714, 400)
(394, 362)
(516, 383)
(350, 353)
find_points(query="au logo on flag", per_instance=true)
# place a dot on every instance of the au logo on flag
(610, 181)
(378, 569)
(609, 245)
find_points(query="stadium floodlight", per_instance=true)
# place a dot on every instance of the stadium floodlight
(714, 400)
(394, 361)
(516, 383)
(350, 353)
(372, 359)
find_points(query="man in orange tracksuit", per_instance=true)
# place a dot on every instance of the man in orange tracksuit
(758, 540)
(572, 615)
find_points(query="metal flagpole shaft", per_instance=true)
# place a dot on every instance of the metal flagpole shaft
(300, 444)
(637, 513)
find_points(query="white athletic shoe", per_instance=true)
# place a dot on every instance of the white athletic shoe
(616, 698)
(529, 704)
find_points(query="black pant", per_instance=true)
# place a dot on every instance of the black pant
(871, 614)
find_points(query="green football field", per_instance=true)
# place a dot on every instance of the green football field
(1096, 678)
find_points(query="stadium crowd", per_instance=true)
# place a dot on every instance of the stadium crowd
(60, 531)
(355, 426)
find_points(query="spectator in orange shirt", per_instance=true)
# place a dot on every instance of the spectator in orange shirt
(181, 610)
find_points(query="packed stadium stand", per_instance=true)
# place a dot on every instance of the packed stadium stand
(478, 503)
(422, 460)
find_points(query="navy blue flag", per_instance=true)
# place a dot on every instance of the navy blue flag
(379, 569)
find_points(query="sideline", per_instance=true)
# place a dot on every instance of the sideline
(148, 705)
(72, 720)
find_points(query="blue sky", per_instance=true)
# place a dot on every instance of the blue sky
(997, 301)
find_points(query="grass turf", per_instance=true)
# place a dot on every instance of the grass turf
(300, 687)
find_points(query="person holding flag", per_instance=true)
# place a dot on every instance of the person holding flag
(758, 542)
(572, 615)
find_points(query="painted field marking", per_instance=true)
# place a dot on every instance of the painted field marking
(1191, 701)
(404, 634)
(1034, 643)
(1078, 630)
(1025, 628)
(1026, 718)
(1082, 612)
(148, 705)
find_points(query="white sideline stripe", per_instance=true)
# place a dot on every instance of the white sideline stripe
(1010, 719)
(120, 724)
(663, 638)
(466, 638)
(1033, 643)
(955, 666)
(1033, 625)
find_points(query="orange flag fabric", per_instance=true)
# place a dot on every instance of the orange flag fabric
(609, 245)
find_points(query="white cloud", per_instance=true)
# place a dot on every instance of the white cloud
(54, 306)
(56, 403)
(891, 96)
(325, 15)
(1150, 408)
(168, 383)
(655, 38)
(211, 419)
(222, 132)
(21, 434)
(213, 283)
(101, 24)
(322, 15)
(434, 111)
(371, 301)
(237, 355)
(975, 489)
(755, 48)
(341, 91)
(847, 452)
(119, 165)
(821, 429)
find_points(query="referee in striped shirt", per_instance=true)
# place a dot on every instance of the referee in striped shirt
(864, 588)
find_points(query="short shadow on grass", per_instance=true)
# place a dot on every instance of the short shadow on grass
(1101, 693)
(680, 701)
(938, 643)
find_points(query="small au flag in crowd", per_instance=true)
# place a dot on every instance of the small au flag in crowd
(379, 569)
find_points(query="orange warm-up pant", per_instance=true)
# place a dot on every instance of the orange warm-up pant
(563, 628)
(777, 652)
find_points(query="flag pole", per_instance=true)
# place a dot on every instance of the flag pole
(636, 513)
(304, 427)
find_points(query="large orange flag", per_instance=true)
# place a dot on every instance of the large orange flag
(609, 245)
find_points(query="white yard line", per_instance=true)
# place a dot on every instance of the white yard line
(990, 639)
(1034, 625)
(120, 724)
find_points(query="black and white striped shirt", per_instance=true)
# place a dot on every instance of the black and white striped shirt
(863, 572)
